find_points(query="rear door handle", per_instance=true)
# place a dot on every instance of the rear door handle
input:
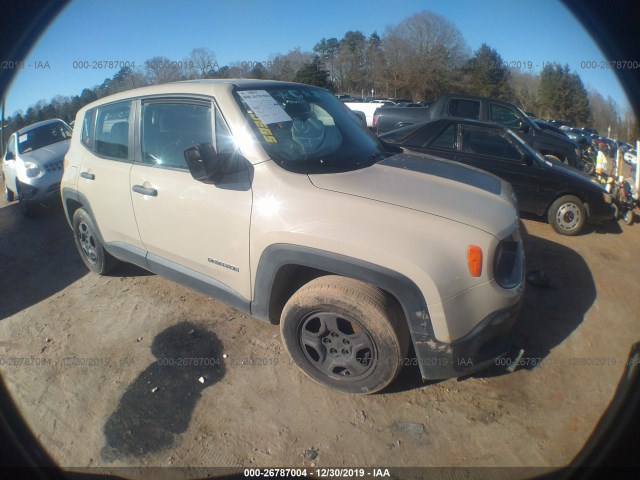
(87, 175)
(152, 192)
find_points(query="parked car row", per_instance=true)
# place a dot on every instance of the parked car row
(315, 203)
(567, 197)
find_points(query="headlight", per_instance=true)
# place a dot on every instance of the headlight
(32, 168)
(508, 262)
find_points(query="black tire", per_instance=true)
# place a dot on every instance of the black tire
(627, 217)
(345, 334)
(29, 210)
(8, 194)
(567, 215)
(555, 157)
(91, 250)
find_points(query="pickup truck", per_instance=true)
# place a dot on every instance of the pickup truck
(273, 198)
(473, 107)
(368, 108)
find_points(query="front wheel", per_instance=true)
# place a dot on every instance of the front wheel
(9, 195)
(549, 156)
(567, 215)
(627, 216)
(345, 334)
(91, 250)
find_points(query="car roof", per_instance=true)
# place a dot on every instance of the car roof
(210, 87)
(33, 126)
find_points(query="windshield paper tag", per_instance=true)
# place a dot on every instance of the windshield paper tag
(264, 106)
(264, 130)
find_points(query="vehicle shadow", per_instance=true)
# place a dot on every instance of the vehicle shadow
(610, 227)
(38, 254)
(158, 405)
(548, 316)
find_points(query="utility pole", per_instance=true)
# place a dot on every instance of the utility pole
(2, 130)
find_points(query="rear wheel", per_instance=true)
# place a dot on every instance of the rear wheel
(627, 217)
(91, 250)
(345, 334)
(567, 215)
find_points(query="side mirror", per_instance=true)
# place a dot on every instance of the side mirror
(9, 156)
(204, 163)
(527, 159)
(524, 126)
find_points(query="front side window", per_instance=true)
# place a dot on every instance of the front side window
(491, 143)
(88, 124)
(168, 129)
(504, 115)
(112, 131)
(308, 130)
(464, 108)
(11, 145)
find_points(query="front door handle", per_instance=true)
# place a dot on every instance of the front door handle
(152, 192)
(87, 175)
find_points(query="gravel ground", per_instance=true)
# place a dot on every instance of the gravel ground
(97, 389)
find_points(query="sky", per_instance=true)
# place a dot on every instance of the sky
(528, 31)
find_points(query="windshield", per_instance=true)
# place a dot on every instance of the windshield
(525, 146)
(308, 130)
(42, 136)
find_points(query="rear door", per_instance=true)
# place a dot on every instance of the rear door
(191, 229)
(107, 134)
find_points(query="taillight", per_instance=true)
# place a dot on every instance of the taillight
(374, 123)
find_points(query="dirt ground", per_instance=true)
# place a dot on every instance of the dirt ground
(96, 386)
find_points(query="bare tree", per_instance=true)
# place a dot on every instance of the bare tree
(162, 70)
(525, 87)
(431, 48)
(202, 60)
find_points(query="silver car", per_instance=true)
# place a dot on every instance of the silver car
(32, 166)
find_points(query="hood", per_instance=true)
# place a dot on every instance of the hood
(431, 185)
(49, 154)
(571, 172)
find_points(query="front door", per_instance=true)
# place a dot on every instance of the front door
(193, 229)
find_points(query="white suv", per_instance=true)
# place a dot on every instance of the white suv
(32, 166)
(273, 197)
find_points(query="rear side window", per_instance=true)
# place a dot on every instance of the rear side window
(490, 143)
(168, 129)
(112, 131)
(464, 108)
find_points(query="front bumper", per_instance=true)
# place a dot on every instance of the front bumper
(41, 189)
(599, 213)
(476, 351)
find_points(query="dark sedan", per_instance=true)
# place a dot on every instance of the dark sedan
(565, 195)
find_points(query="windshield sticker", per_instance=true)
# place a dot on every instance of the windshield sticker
(264, 130)
(23, 138)
(264, 106)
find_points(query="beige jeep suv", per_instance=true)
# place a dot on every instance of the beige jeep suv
(273, 198)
